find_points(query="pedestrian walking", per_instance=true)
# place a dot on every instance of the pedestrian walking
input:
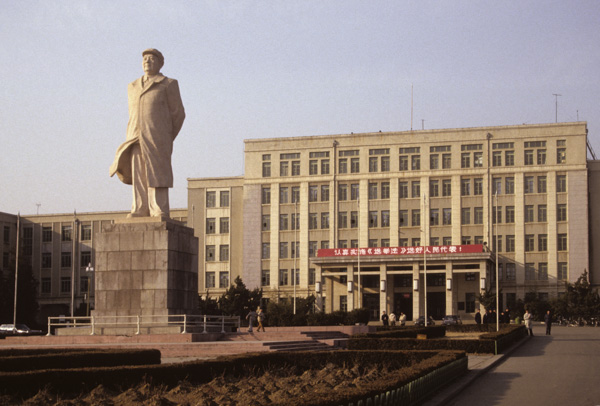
(385, 319)
(251, 317)
(548, 321)
(261, 317)
(478, 317)
(528, 322)
(402, 319)
(392, 319)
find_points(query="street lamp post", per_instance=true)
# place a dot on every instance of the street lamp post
(90, 269)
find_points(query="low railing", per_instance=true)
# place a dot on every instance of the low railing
(139, 322)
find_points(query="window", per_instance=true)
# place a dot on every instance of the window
(511, 273)
(541, 156)
(295, 246)
(343, 219)
(284, 222)
(283, 277)
(312, 248)
(434, 217)
(86, 232)
(324, 193)
(478, 186)
(528, 157)
(403, 163)
(266, 222)
(529, 243)
(385, 218)
(497, 158)
(385, 242)
(496, 186)
(223, 280)
(284, 168)
(510, 214)
(295, 194)
(373, 219)
(354, 219)
(561, 273)
(561, 212)
(372, 191)
(354, 191)
(265, 195)
(465, 187)
(403, 242)
(65, 284)
(465, 240)
(416, 189)
(373, 243)
(543, 242)
(434, 161)
(465, 160)
(224, 225)
(416, 217)
(46, 287)
(385, 164)
(403, 190)
(465, 156)
(465, 216)
(343, 303)
(478, 215)
(528, 213)
(211, 199)
(224, 198)
(354, 165)
(343, 165)
(46, 260)
(265, 277)
(530, 271)
(528, 184)
(210, 253)
(342, 192)
(561, 155)
(447, 217)
(509, 186)
(283, 250)
(510, 243)
(562, 242)
(66, 233)
(446, 161)
(541, 184)
(210, 280)
(266, 169)
(542, 217)
(324, 221)
(210, 225)
(266, 250)
(312, 221)
(496, 214)
(373, 164)
(434, 241)
(313, 193)
(86, 258)
(403, 218)
(477, 159)
(65, 259)
(496, 239)
(283, 195)
(385, 190)
(446, 187)
(434, 188)
(224, 252)
(311, 276)
(415, 158)
(561, 183)
(46, 233)
(415, 162)
(509, 158)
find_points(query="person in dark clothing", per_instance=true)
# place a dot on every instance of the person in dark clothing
(485, 318)
(548, 321)
(385, 319)
(478, 317)
(507, 316)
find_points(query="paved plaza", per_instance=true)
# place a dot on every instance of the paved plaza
(561, 369)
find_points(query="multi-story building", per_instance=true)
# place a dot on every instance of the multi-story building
(363, 220)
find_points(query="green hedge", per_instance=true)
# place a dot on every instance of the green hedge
(25, 360)
(406, 332)
(408, 366)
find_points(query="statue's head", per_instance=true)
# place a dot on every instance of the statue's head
(153, 60)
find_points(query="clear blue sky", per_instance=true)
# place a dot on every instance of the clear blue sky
(256, 69)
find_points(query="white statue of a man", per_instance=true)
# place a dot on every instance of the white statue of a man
(156, 115)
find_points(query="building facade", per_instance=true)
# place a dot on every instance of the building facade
(377, 220)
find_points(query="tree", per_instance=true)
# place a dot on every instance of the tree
(238, 300)
(488, 298)
(579, 302)
(209, 306)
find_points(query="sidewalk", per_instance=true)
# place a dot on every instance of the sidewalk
(478, 365)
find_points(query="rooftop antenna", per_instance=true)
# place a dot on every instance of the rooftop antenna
(38, 207)
(556, 106)
(411, 107)
(422, 124)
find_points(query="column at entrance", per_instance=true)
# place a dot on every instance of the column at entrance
(417, 293)
(384, 301)
(451, 288)
(319, 287)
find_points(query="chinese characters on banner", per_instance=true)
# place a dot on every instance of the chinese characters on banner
(433, 250)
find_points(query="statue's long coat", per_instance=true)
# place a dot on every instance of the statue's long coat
(156, 115)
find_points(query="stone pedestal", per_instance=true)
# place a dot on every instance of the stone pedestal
(146, 267)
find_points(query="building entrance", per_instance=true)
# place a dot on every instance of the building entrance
(403, 303)
(371, 302)
(436, 304)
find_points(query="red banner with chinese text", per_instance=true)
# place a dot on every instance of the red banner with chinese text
(433, 250)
